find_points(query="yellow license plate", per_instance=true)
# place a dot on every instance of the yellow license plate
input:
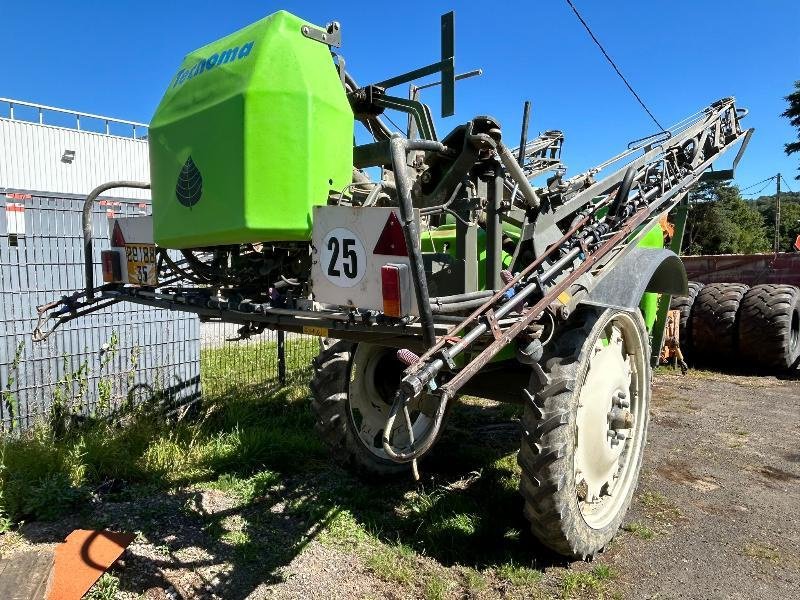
(141, 264)
(318, 331)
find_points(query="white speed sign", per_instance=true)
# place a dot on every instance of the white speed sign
(342, 257)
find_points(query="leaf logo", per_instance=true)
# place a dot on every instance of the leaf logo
(189, 188)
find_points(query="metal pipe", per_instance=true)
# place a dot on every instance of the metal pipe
(523, 138)
(510, 163)
(87, 225)
(399, 148)
(453, 307)
(463, 297)
(494, 230)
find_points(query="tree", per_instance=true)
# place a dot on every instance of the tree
(790, 218)
(720, 221)
(793, 114)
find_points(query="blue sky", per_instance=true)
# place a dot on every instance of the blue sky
(116, 58)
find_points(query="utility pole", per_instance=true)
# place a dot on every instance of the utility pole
(777, 213)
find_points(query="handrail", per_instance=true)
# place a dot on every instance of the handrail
(76, 113)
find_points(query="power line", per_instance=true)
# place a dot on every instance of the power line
(760, 190)
(613, 64)
(786, 184)
(768, 179)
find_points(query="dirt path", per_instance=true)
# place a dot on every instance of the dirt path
(716, 516)
(722, 482)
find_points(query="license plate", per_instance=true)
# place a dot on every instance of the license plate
(141, 260)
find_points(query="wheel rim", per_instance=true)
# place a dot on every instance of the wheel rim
(374, 376)
(794, 332)
(610, 421)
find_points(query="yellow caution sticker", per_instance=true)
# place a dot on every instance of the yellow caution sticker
(318, 331)
(564, 298)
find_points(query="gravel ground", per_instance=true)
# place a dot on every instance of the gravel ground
(715, 516)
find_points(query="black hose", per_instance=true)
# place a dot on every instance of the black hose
(622, 192)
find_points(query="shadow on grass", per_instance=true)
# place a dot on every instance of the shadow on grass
(234, 494)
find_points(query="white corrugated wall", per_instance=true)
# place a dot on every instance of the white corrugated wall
(31, 160)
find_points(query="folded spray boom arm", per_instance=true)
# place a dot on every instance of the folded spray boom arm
(610, 216)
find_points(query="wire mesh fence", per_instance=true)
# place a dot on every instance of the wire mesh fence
(100, 362)
(270, 360)
(119, 356)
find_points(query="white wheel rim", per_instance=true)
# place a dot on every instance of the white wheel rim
(606, 454)
(374, 375)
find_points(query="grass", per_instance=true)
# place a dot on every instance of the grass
(761, 552)
(393, 563)
(437, 587)
(460, 531)
(519, 576)
(44, 475)
(104, 589)
(640, 530)
(582, 582)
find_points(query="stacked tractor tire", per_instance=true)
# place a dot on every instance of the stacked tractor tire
(736, 326)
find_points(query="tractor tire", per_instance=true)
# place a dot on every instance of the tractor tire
(769, 326)
(352, 390)
(684, 304)
(578, 473)
(715, 321)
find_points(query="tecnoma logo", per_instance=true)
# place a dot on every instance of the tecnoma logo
(215, 60)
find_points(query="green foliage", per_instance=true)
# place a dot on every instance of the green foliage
(790, 217)
(720, 221)
(793, 114)
(581, 582)
(519, 576)
(248, 434)
(105, 588)
(9, 397)
(393, 563)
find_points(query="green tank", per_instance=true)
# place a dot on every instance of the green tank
(253, 131)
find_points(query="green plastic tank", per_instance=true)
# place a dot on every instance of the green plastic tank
(253, 131)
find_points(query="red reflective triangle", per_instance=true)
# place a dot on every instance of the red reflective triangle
(797, 243)
(117, 239)
(392, 242)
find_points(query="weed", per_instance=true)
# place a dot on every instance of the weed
(9, 397)
(474, 579)
(343, 529)
(436, 587)
(519, 576)
(762, 552)
(659, 506)
(105, 588)
(245, 489)
(586, 581)
(392, 563)
(639, 530)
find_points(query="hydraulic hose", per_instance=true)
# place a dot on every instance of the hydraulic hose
(623, 192)
(415, 451)
(399, 148)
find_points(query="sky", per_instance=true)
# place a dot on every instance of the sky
(116, 58)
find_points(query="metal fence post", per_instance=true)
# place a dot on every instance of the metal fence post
(281, 357)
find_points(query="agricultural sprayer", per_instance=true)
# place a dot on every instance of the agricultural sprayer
(429, 266)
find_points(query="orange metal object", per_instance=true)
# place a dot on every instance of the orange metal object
(82, 559)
